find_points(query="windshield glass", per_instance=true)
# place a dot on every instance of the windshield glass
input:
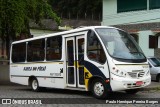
(120, 44)
(155, 62)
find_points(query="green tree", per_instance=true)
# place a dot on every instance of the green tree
(77, 8)
(15, 16)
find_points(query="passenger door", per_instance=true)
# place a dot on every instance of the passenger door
(75, 61)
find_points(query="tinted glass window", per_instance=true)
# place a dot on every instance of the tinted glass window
(54, 48)
(94, 50)
(155, 62)
(154, 4)
(120, 44)
(19, 52)
(131, 5)
(36, 50)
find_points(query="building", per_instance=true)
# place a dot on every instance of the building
(141, 18)
(49, 26)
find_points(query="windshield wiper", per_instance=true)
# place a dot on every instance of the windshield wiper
(136, 52)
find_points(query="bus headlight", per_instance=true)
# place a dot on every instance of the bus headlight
(119, 72)
(122, 74)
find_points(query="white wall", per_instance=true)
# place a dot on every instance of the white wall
(111, 17)
(37, 32)
(144, 42)
(109, 7)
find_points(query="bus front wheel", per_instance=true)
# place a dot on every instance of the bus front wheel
(35, 85)
(98, 89)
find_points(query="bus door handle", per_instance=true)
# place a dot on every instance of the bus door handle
(101, 67)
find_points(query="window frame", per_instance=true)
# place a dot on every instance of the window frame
(152, 4)
(39, 51)
(129, 8)
(96, 49)
(19, 53)
(59, 36)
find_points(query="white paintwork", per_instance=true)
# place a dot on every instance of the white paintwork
(154, 70)
(158, 41)
(52, 69)
(19, 70)
(120, 83)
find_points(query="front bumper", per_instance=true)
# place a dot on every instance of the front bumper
(120, 83)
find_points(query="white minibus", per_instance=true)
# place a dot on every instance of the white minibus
(99, 59)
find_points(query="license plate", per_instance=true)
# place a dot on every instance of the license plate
(138, 83)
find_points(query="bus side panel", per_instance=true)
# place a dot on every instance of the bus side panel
(51, 82)
(15, 77)
(49, 74)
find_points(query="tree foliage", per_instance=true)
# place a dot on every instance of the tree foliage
(77, 7)
(16, 14)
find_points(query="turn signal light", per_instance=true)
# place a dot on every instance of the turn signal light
(107, 81)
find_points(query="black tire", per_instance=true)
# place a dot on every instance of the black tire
(158, 78)
(35, 85)
(98, 89)
(132, 91)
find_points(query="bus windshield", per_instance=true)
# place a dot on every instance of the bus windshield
(120, 44)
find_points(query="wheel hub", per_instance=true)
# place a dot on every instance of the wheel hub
(34, 84)
(98, 89)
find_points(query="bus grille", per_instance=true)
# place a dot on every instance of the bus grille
(136, 74)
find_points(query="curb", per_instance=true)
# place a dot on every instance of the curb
(7, 83)
(150, 88)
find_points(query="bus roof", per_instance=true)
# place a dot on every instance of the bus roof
(63, 33)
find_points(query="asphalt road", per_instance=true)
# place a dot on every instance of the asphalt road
(60, 98)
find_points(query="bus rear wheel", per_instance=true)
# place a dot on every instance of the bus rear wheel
(35, 85)
(98, 89)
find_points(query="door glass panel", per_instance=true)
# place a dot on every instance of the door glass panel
(70, 50)
(95, 50)
(70, 75)
(81, 60)
(81, 51)
(81, 75)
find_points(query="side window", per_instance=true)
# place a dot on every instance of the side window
(19, 52)
(54, 48)
(36, 50)
(153, 41)
(95, 51)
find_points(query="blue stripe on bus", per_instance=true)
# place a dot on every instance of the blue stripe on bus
(95, 71)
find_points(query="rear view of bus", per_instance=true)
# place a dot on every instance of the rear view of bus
(127, 64)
